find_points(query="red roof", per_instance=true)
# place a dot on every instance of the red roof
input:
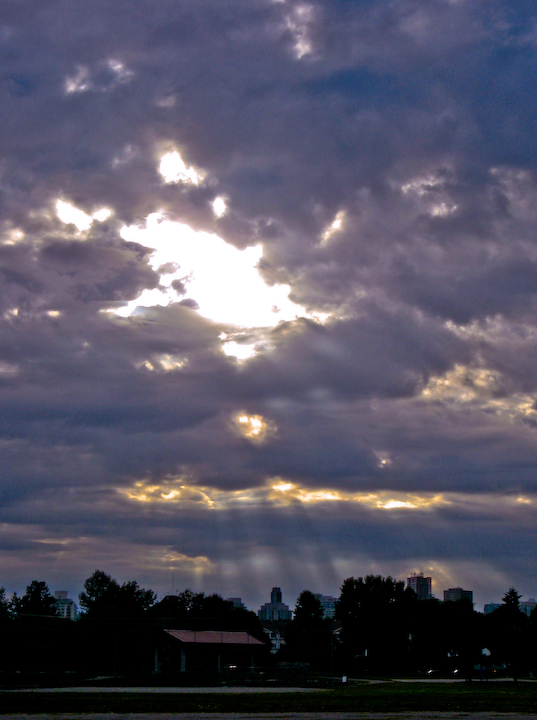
(214, 637)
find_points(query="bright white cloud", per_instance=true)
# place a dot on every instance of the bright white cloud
(174, 170)
(238, 350)
(224, 281)
(102, 214)
(219, 206)
(71, 215)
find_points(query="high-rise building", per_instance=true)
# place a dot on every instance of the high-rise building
(236, 602)
(454, 594)
(65, 607)
(328, 604)
(275, 609)
(421, 585)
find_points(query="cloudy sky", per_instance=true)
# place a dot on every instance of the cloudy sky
(268, 293)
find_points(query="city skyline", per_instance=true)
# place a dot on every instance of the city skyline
(268, 294)
(261, 601)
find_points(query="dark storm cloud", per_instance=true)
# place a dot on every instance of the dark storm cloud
(414, 125)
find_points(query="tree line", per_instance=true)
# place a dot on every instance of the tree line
(380, 628)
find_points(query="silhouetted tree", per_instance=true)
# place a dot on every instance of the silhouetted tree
(375, 615)
(112, 627)
(191, 610)
(37, 600)
(511, 599)
(5, 606)
(308, 636)
(508, 634)
(104, 597)
(308, 610)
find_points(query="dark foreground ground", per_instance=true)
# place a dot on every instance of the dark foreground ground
(283, 716)
(383, 700)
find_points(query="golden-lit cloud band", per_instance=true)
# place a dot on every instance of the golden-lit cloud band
(279, 493)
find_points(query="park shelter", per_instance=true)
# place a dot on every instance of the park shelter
(210, 650)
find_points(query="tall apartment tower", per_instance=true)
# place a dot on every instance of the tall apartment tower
(422, 586)
(65, 607)
(275, 609)
(328, 604)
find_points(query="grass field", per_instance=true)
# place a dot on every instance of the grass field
(386, 697)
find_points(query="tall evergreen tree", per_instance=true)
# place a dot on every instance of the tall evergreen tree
(37, 600)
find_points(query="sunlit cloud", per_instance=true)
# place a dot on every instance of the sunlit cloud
(254, 427)
(495, 330)
(175, 491)
(443, 209)
(80, 82)
(165, 362)
(397, 504)
(479, 387)
(174, 170)
(71, 215)
(280, 492)
(384, 459)
(102, 214)
(241, 351)
(423, 184)
(219, 206)
(298, 23)
(335, 226)
(71, 553)
(283, 492)
(13, 236)
(121, 72)
(179, 561)
(431, 192)
(223, 281)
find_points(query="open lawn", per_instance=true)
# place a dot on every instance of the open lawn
(390, 697)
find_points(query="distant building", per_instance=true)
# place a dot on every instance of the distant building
(422, 586)
(275, 633)
(65, 607)
(328, 604)
(454, 594)
(236, 602)
(527, 606)
(275, 609)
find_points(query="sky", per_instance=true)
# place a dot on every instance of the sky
(268, 294)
